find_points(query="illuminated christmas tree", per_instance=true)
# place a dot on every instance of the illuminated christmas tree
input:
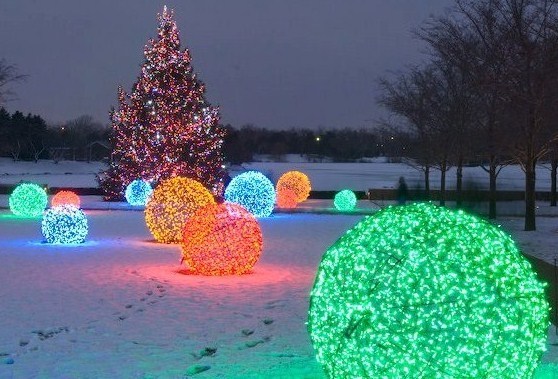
(165, 127)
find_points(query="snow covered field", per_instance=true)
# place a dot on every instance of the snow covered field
(324, 176)
(63, 174)
(121, 306)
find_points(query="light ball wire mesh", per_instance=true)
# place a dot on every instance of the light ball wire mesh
(64, 224)
(421, 291)
(28, 200)
(253, 191)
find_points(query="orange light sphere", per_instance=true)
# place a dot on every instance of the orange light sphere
(172, 203)
(65, 198)
(286, 199)
(222, 239)
(297, 182)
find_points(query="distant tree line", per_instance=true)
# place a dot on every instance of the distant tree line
(28, 137)
(341, 145)
(488, 92)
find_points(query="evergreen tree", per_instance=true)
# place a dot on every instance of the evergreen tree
(165, 127)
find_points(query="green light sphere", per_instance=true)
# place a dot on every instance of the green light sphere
(345, 200)
(28, 200)
(421, 291)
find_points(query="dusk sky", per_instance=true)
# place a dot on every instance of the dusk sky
(274, 64)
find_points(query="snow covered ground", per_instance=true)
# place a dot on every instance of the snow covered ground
(121, 306)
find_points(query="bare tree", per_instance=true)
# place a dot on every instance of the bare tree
(510, 47)
(450, 107)
(8, 75)
(471, 39)
(434, 101)
(532, 78)
(405, 96)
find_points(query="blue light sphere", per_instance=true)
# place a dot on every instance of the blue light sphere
(138, 192)
(64, 224)
(28, 200)
(253, 191)
(345, 200)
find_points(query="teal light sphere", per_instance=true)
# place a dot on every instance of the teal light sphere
(138, 192)
(254, 191)
(28, 200)
(421, 291)
(64, 224)
(345, 200)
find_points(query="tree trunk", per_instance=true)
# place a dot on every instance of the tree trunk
(530, 222)
(427, 182)
(459, 183)
(492, 190)
(553, 169)
(443, 184)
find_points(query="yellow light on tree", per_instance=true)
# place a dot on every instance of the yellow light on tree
(172, 202)
(421, 291)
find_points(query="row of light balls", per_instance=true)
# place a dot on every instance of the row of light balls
(63, 223)
(229, 231)
(217, 238)
(256, 193)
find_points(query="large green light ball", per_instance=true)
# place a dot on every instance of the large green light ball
(420, 291)
(28, 200)
(345, 200)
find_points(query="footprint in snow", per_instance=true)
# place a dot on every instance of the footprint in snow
(274, 304)
(196, 369)
(206, 352)
(49, 333)
(254, 343)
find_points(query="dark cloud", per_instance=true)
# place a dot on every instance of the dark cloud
(279, 64)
